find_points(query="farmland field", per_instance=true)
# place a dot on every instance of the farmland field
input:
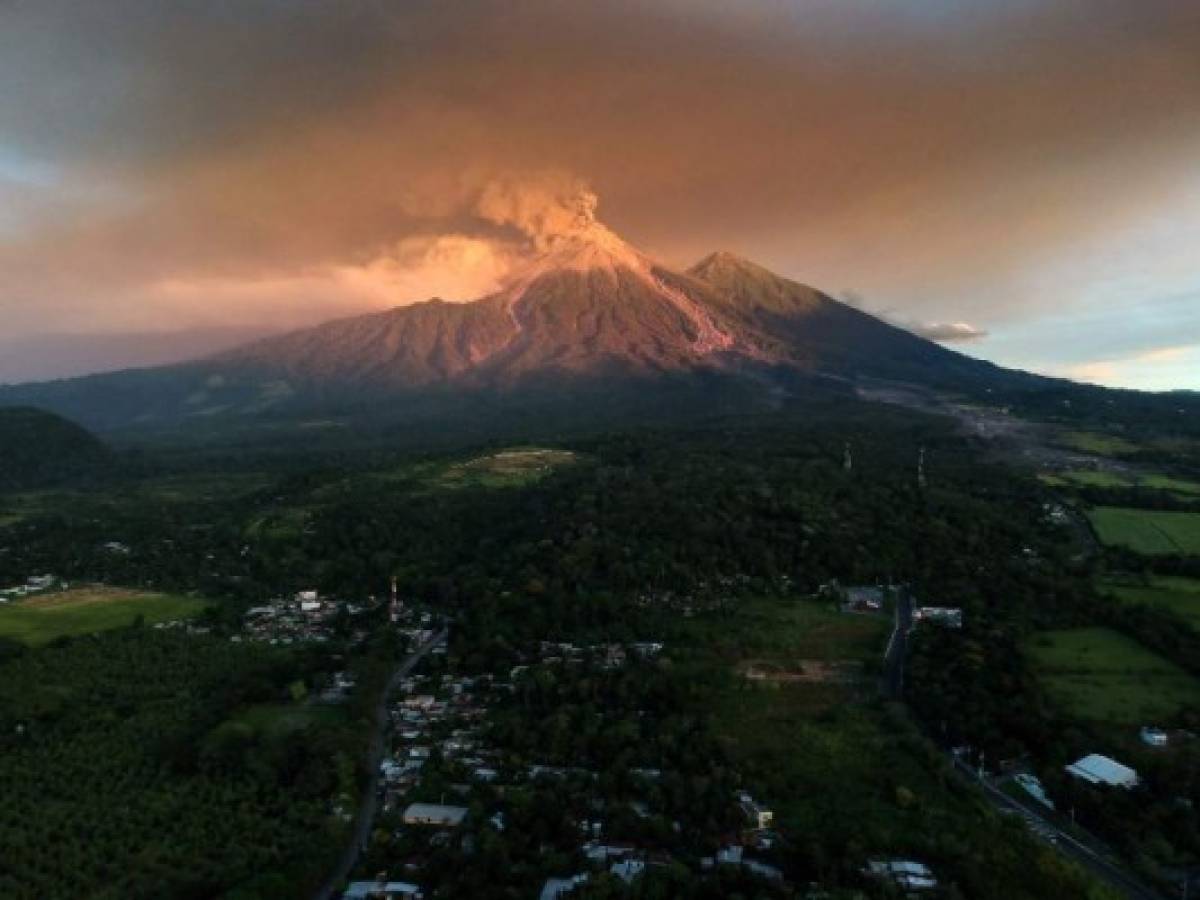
(1091, 478)
(87, 610)
(1148, 531)
(1100, 444)
(1102, 675)
(1179, 595)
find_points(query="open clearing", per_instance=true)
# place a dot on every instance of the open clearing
(507, 468)
(1100, 444)
(1104, 479)
(793, 696)
(783, 632)
(1179, 595)
(1102, 675)
(511, 467)
(1148, 531)
(87, 610)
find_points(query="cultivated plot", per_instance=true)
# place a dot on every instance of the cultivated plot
(1179, 595)
(1100, 674)
(1150, 531)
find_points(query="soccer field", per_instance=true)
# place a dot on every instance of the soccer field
(87, 610)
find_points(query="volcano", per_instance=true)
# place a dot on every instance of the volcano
(588, 315)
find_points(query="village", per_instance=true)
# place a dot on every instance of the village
(446, 786)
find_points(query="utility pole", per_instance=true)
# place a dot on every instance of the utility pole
(921, 468)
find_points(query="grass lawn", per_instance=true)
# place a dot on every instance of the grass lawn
(279, 720)
(87, 610)
(1180, 595)
(1102, 675)
(1167, 483)
(514, 467)
(1146, 530)
(1091, 478)
(787, 630)
(1100, 444)
(511, 467)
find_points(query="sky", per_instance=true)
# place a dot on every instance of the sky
(1018, 179)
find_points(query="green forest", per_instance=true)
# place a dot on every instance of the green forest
(154, 762)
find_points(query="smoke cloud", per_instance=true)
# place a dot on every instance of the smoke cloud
(543, 207)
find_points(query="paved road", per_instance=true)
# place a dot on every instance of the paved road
(1091, 859)
(368, 805)
(893, 658)
(1088, 857)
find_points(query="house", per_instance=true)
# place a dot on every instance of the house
(1033, 786)
(946, 616)
(381, 890)
(434, 814)
(602, 853)
(1154, 737)
(1097, 769)
(560, 887)
(864, 599)
(390, 769)
(758, 816)
(647, 649)
(627, 869)
(730, 855)
(763, 870)
(906, 874)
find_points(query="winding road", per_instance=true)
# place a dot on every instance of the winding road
(368, 805)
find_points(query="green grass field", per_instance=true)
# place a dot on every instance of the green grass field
(1148, 531)
(785, 630)
(279, 720)
(1100, 444)
(1090, 478)
(514, 467)
(1167, 483)
(1101, 675)
(1179, 595)
(88, 610)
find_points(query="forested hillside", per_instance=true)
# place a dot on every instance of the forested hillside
(38, 448)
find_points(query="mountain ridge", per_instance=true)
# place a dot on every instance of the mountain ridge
(587, 314)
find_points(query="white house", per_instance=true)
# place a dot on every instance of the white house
(1033, 786)
(907, 874)
(1154, 737)
(759, 816)
(628, 869)
(1098, 769)
(381, 890)
(948, 616)
(560, 887)
(434, 814)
